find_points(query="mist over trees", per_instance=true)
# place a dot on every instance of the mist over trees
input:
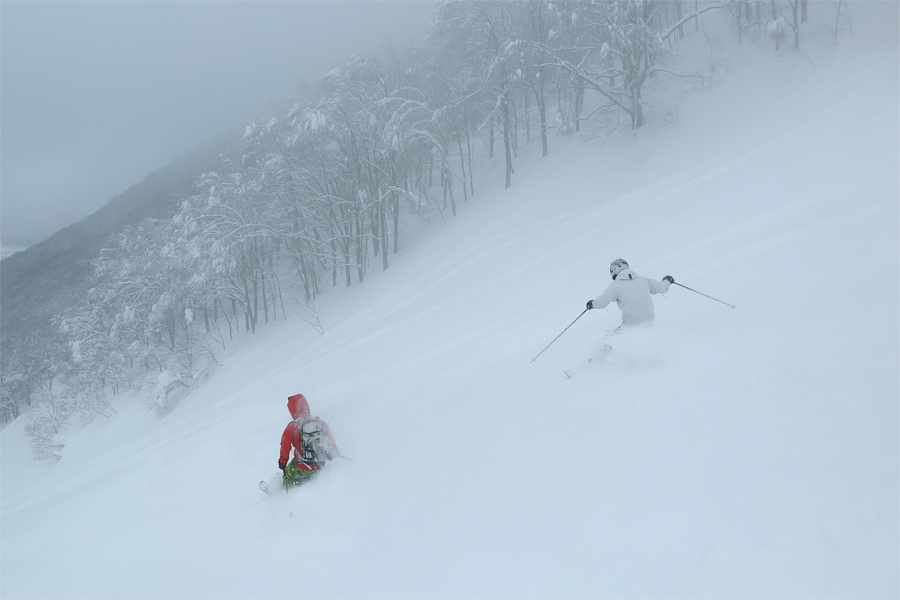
(322, 192)
(39, 283)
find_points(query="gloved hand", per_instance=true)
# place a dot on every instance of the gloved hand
(590, 304)
(669, 279)
(281, 466)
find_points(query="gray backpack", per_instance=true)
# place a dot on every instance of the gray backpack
(315, 447)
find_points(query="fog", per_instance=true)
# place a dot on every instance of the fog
(96, 95)
(722, 453)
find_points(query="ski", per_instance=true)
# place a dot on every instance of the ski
(264, 486)
(570, 373)
(591, 361)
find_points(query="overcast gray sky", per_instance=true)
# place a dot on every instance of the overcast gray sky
(96, 95)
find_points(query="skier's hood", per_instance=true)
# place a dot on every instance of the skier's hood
(625, 274)
(298, 406)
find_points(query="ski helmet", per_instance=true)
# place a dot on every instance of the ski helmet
(617, 266)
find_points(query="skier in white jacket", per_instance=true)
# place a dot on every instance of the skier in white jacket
(631, 293)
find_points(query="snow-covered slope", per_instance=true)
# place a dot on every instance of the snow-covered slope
(748, 452)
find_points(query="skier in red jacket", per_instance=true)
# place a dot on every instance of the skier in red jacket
(312, 441)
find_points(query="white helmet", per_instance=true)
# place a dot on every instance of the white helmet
(617, 266)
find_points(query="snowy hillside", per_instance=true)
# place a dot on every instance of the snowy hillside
(747, 452)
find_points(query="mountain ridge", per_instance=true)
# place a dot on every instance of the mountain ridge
(38, 282)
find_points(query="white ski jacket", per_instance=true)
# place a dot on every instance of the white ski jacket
(632, 294)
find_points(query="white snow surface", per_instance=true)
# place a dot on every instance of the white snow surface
(722, 453)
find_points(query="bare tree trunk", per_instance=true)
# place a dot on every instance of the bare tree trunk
(540, 98)
(236, 322)
(491, 142)
(382, 217)
(579, 104)
(837, 20)
(507, 142)
(265, 301)
(775, 18)
(638, 110)
(361, 247)
(527, 118)
(395, 213)
(448, 188)
(254, 317)
(469, 151)
(678, 11)
(795, 23)
(514, 114)
(462, 165)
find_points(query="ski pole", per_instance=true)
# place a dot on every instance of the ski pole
(702, 294)
(560, 335)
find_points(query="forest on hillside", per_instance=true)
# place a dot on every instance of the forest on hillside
(322, 192)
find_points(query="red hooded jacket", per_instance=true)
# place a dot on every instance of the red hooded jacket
(299, 408)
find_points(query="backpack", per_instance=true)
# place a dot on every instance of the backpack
(315, 447)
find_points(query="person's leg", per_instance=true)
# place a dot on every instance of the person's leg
(294, 475)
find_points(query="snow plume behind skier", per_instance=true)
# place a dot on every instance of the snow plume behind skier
(311, 440)
(631, 293)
